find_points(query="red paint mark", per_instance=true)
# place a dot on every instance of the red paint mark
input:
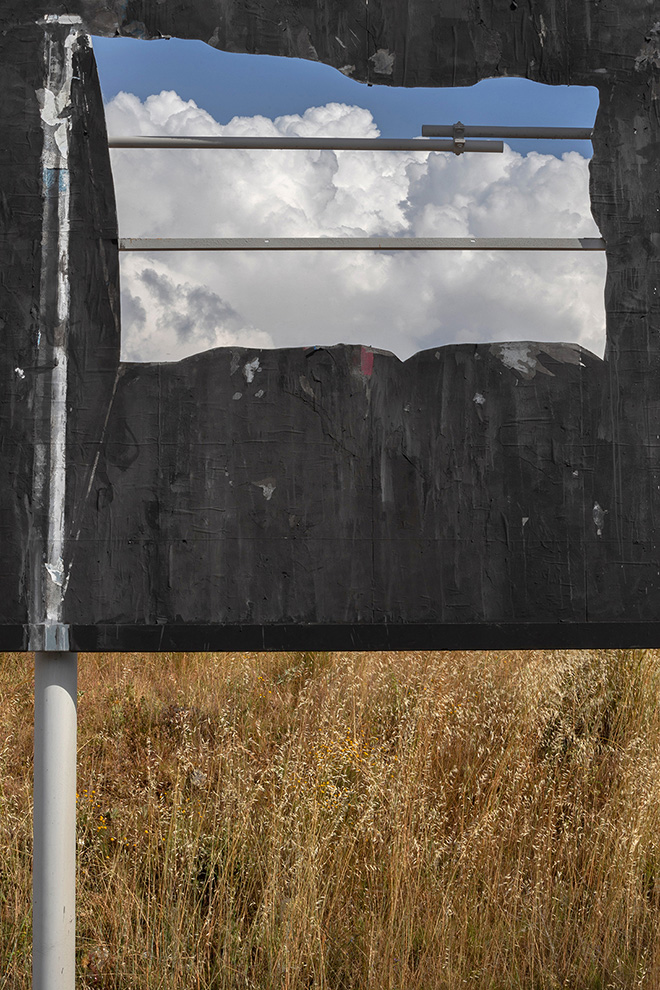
(367, 362)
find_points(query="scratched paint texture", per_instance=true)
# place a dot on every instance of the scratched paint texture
(336, 497)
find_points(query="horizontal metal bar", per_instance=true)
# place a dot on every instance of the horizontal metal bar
(523, 133)
(306, 144)
(361, 244)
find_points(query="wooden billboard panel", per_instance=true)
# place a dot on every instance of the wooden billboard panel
(333, 497)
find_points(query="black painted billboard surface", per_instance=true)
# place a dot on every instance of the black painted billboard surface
(328, 498)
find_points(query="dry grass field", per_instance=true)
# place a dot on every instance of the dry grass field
(423, 821)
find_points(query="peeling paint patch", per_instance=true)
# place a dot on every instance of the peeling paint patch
(214, 40)
(61, 19)
(347, 70)
(383, 62)
(366, 362)
(564, 353)
(136, 29)
(478, 399)
(649, 56)
(55, 179)
(236, 396)
(250, 369)
(55, 107)
(260, 394)
(19, 373)
(267, 486)
(525, 520)
(56, 572)
(517, 357)
(53, 637)
(524, 357)
(599, 518)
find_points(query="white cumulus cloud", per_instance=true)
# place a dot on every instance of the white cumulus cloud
(176, 304)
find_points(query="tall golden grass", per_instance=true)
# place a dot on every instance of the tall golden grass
(368, 821)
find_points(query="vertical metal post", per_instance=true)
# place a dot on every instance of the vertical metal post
(56, 669)
(54, 821)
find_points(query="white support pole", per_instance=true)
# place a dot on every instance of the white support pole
(54, 821)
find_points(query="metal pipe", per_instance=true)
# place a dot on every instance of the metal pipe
(297, 143)
(54, 821)
(361, 244)
(523, 133)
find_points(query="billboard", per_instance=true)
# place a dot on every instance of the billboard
(333, 497)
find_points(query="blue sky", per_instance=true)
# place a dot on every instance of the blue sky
(175, 304)
(227, 85)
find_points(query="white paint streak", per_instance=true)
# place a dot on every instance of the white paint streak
(50, 451)
(543, 32)
(57, 492)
